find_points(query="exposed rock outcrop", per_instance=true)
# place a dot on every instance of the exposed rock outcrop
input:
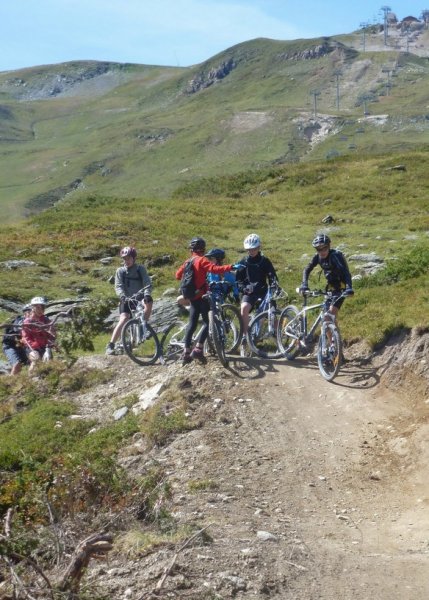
(203, 80)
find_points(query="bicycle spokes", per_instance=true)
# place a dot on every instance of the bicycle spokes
(329, 351)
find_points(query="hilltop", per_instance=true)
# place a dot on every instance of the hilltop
(133, 130)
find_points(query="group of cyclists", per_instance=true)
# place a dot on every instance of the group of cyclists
(247, 280)
(30, 337)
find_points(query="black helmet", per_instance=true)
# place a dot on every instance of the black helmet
(197, 244)
(321, 240)
(216, 253)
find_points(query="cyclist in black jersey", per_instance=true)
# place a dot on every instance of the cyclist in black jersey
(335, 269)
(253, 278)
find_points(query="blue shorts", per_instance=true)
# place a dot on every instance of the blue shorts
(15, 355)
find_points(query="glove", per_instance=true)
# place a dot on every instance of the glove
(238, 267)
(122, 298)
(139, 296)
(303, 288)
(349, 292)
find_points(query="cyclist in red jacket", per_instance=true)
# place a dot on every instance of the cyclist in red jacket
(199, 305)
(38, 334)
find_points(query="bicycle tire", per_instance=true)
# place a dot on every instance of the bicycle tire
(172, 342)
(216, 326)
(262, 343)
(233, 325)
(330, 363)
(289, 345)
(142, 351)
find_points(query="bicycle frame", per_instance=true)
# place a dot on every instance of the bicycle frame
(267, 304)
(302, 316)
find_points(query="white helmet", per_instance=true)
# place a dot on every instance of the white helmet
(252, 241)
(38, 300)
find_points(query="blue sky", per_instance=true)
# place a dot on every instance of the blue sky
(168, 32)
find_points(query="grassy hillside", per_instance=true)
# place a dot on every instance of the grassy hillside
(376, 209)
(132, 130)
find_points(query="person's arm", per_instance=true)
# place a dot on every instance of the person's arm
(270, 271)
(119, 283)
(146, 281)
(346, 271)
(212, 268)
(179, 272)
(306, 273)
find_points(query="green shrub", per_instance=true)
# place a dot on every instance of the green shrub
(409, 266)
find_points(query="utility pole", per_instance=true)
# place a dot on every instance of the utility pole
(315, 94)
(386, 10)
(388, 84)
(337, 75)
(364, 25)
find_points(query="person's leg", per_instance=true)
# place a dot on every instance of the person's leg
(124, 315)
(148, 304)
(245, 309)
(123, 318)
(194, 314)
(13, 358)
(34, 357)
(16, 368)
(204, 311)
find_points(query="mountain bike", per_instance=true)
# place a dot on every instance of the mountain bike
(139, 339)
(173, 343)
(295, 338)
(262, 332)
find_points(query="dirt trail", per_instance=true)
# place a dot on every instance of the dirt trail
(320, 489)
(349, 478)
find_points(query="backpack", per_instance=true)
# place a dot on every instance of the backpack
(187, 284)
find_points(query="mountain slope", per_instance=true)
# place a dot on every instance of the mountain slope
(143, 130)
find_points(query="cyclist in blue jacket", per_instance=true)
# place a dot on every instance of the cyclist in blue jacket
(335, 269)
(229, 282)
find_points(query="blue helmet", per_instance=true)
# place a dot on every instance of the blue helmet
(216, 253)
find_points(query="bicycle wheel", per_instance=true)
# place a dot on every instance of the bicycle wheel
(140, 343)
(233, 326)
(262, 341)
(172, 343)
(329, 351)
(288, 335)
(218, 337)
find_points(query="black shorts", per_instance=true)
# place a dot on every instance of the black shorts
(335, 295)
(127, 307)
(251, 299)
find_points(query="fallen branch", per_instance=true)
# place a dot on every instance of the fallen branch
(94, 546)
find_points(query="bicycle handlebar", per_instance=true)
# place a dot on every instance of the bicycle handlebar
(315, 293)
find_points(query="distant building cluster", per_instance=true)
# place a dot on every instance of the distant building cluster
(409, 23)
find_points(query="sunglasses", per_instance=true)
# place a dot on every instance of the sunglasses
(322, 248)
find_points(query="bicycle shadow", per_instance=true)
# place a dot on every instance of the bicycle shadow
(356, 373)
(251, 367)
(360, 373)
